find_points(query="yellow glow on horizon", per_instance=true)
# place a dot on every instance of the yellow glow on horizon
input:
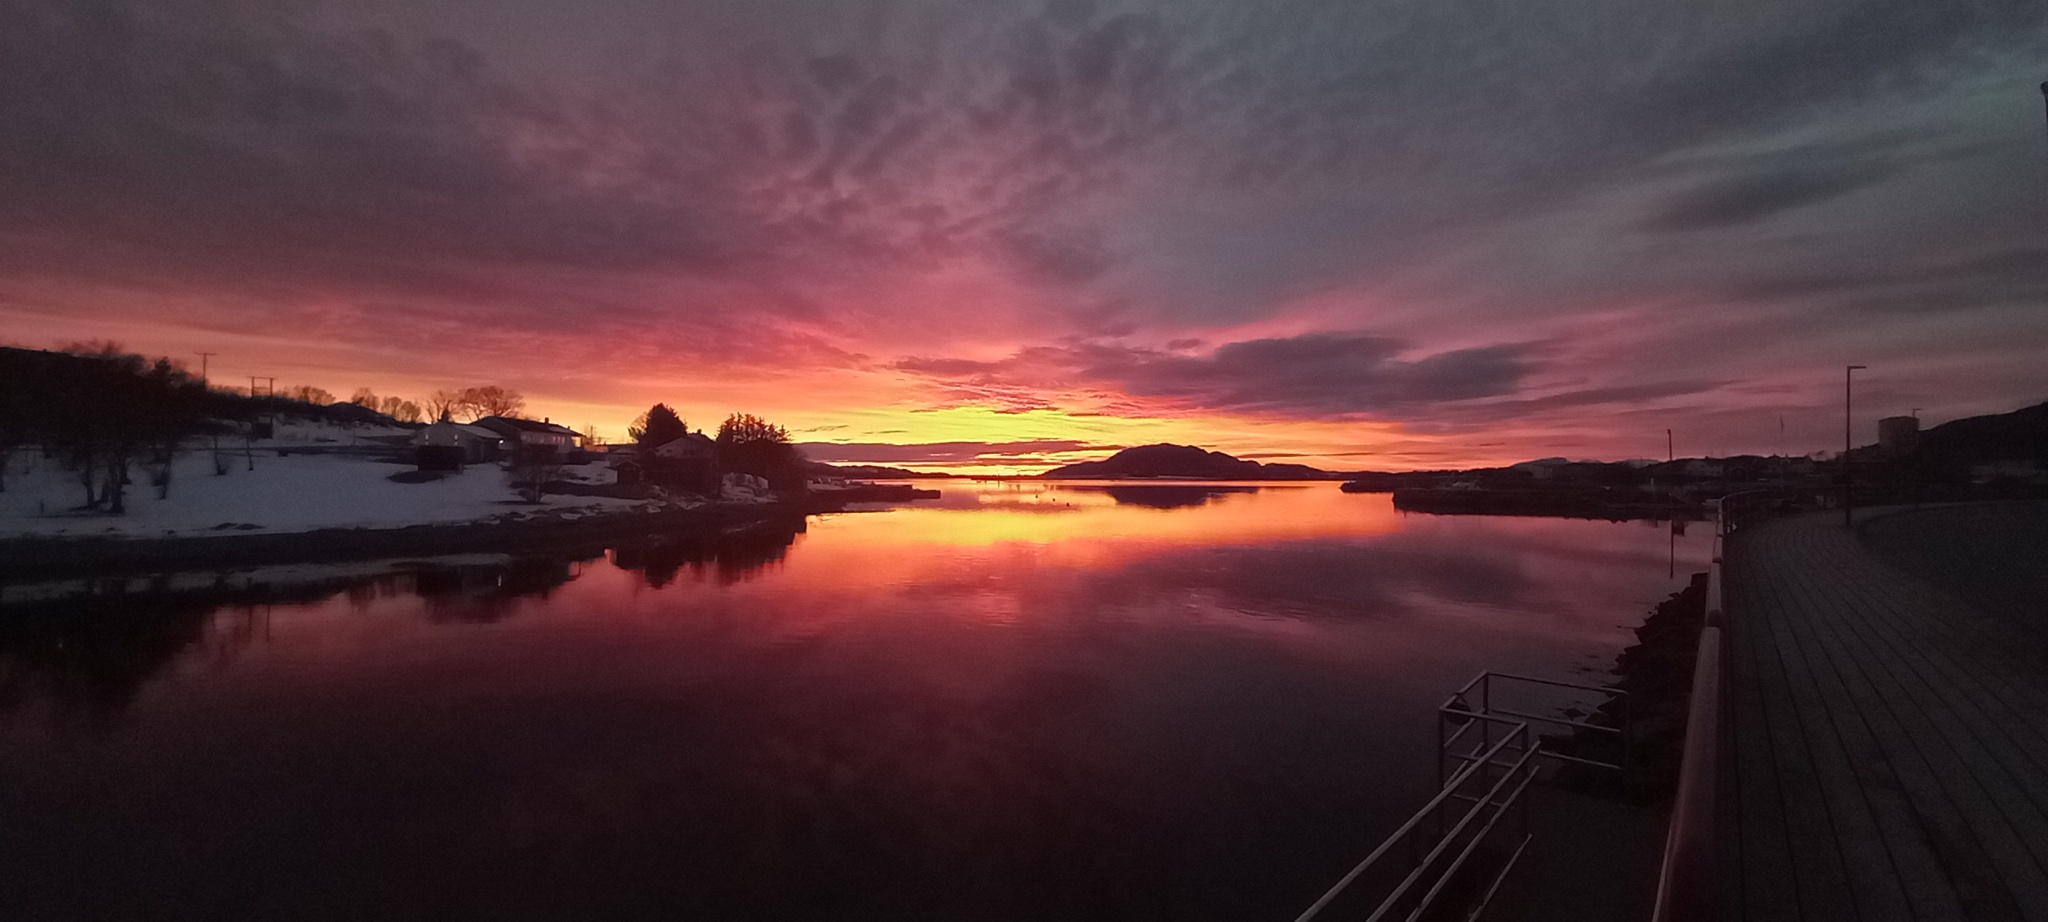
(581, 387)
(1083, 515)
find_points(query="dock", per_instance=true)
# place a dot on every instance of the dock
(1884, 748)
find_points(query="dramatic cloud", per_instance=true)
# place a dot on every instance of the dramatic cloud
(1068, 213)
(1753, 198)
(1314, 375)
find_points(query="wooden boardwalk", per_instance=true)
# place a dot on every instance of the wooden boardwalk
(1886, 748)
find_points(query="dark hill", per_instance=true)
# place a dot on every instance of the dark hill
(30, 375)
(2016, 436)
(1182, 461)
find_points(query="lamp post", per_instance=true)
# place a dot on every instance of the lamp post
(1848, 443)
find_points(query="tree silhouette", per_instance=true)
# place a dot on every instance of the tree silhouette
(656, 427)
(311, 394)
(441, 405)
(746, 428)
(491, 400)
(99, 411)
(748, 444)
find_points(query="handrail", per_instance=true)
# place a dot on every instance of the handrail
(1737, 510)
(1687, 879)
(1456, 829)
(1522, 741)
(1459, 706)
(1510, 778)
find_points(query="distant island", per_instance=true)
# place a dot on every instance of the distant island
(869, 471)
(1184, 462)
(1995, 456)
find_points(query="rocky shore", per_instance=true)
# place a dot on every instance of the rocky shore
(36, 558)
(1656, 671)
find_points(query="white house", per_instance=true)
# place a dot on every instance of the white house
(477, 443)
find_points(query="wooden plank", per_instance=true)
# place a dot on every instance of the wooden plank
(1934, 857)
(1941, 762)
(1887, 736)
(1764, 889)
(1877, 888)
(1821, 884)
(1989, 794)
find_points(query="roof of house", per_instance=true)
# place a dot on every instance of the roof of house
(471, 431)
(691, 443)
(529, 425)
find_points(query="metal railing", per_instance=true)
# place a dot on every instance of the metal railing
(1439, 862)
(1459, 710)
(1739, 510)
(1487, 757)
(1686, 880)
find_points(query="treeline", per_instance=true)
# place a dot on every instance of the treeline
(467, 405)
(103, 413)
(106, 414)
(745, 444)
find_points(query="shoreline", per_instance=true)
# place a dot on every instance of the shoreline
(26, 559)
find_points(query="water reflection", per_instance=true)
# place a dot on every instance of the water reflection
(86, 647)
(1028, 701)
(1170, 496)
(727, 558)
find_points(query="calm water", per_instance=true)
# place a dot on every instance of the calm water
(1018, 702)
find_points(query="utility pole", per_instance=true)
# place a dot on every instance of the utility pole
(203, 358)
(1669, 456)
(1848, 437)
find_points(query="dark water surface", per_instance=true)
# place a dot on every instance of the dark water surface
(1019, 702)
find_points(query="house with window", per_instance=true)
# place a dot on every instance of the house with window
(523, 435)
(688, 462)
(448, 445)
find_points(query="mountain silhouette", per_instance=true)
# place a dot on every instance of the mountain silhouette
(1184, 461)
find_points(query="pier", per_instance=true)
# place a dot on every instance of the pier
(1883, 748)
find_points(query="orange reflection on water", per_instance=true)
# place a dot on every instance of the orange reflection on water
(1086, 525)
(1164, 513)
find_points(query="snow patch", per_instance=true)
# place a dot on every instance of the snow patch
(284, 494)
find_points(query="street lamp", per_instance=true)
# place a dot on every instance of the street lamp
(1848, 439)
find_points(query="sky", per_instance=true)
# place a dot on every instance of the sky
(995, 236)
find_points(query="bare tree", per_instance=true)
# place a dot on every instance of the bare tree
(364, 397)
(441, 405)
(311, 394)
(492, 400)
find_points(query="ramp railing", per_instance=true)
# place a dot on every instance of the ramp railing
(1437, 845)
(1453, 856)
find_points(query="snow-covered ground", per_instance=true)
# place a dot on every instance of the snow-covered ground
(291, 432)
(295, 493)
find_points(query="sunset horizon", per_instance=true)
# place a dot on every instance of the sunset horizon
(1024, 460)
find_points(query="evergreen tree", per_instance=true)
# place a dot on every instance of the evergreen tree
(748, 444)
(656, 427)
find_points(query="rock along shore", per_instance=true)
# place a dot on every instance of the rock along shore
(38, 558)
